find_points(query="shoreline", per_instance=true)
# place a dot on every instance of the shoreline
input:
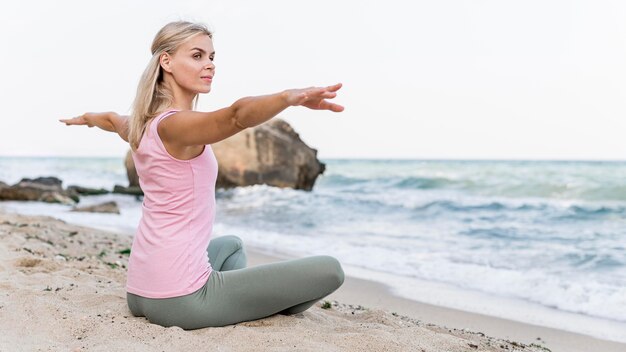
(65, 279)
(374, 294)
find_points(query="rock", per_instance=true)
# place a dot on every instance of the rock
(86, 191)
(44, 183)
(271, 154)
(107, 207)
(46, 189)
(131, 172)
(72, 194)
(2, 184)
(56, 197)
(20, 193)
(135, 190)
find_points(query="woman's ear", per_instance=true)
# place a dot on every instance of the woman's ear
(165, 60)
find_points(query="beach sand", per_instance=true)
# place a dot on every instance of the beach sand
(62, 289)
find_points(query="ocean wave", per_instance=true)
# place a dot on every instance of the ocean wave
(595, 261)
(341, 180)
(393, 182)
(423, 183)
(565, 292)
(260, 200)
(507, 233)
(456, 206)
(590, 212)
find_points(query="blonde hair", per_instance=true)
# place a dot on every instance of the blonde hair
(153, 94)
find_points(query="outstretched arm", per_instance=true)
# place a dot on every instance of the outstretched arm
(189, 128)
(108, 121)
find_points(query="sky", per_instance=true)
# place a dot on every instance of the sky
(445, 79)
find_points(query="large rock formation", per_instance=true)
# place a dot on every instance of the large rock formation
(271, 154)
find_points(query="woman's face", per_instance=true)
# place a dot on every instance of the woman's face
(192, 64)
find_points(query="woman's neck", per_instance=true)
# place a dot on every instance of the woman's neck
(182, 99)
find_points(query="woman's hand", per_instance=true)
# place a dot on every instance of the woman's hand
(314, 97)
(78, 120)
(91, 119)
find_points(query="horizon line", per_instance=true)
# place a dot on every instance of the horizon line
(351, 158)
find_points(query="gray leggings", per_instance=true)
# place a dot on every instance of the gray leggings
(234, 293)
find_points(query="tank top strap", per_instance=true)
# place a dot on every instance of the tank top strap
(158, 118)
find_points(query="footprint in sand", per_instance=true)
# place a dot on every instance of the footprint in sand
(36, 265)
(27, 262)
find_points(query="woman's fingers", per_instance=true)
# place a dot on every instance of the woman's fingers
(67, 121)
(326, 105)
(323, 105)
(78, 120)
(314, 98)
(335, 87)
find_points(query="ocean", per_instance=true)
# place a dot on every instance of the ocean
(543, 242)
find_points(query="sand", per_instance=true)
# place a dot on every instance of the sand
(62, 289)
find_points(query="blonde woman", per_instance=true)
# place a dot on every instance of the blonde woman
(177, 274)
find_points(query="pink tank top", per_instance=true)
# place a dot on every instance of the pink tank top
(169, 252)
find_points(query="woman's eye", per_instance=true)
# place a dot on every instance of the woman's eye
(197, 56)
(212, 58)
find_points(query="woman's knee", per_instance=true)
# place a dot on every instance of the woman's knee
(340, 275)
(229, 243)
(333, 270)
(233, 241)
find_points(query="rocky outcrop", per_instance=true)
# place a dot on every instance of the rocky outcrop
(87, 191)
(133, 190)
(107, 207)
(271, 154)
(44, 189)
(131, 172)
(133, 179)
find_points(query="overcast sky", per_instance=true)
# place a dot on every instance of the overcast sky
(422, 79)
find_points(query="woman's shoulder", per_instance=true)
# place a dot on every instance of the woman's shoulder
(162, 115)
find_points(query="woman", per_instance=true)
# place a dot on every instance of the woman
(177, 275)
